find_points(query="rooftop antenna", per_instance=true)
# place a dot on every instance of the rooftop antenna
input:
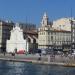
(71, 13)
(71, 19)
(26, 19)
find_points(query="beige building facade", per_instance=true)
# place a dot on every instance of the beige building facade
(62, 24)
(49, 37)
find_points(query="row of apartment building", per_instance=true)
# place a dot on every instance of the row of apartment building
(48, 35)
(59, 35)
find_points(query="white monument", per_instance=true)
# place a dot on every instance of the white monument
(17, 41)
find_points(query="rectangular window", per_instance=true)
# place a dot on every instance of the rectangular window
(51, 38)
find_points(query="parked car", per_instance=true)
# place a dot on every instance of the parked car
(33, 51)
(43, 52)
(48, 51)
(21, 52)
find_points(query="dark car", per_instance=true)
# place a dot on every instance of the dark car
(48, 51)
(37, 50)
(32, 51)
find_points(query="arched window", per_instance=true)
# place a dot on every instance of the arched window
(34, 40)
(29, 40)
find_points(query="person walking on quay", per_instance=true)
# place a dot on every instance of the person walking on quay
(39, 51)
(13, 54)
(4, 53)
(39, 57)
(48, 58)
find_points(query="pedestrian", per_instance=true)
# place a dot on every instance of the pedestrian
(4, 53)
(48, 58)
(39, 57)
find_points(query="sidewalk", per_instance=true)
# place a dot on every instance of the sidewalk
(45, 59)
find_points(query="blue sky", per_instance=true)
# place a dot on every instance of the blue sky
(33, 10)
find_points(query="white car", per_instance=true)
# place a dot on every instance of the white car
(43, 52)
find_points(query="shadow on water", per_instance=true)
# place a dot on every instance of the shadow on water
(19, 68)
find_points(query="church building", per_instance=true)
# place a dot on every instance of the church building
(17, 42)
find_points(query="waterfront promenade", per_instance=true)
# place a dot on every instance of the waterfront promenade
(44, 59)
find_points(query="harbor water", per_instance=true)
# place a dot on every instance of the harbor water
(21, 68)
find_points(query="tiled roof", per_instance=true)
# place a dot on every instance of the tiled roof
(31, 31)
(61, 30)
